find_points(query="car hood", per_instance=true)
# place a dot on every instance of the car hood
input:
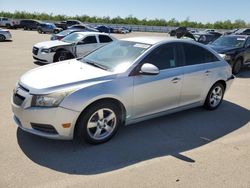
(50, 44)
(223, 49)
(66, 74)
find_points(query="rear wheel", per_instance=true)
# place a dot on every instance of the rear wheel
(40, 31)
(214, 97)
(25, 27)
(237, 66)
(2, 38)
(99, 123)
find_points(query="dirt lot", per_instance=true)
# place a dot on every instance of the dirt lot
(195, 148)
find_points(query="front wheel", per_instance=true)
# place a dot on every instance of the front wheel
(99, 123)
(40, 31)
(214, 97)
(62, 55)
(237, 66)
(2, 38)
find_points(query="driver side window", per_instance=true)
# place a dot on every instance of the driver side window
(247, 42)
(89, 40)
(164, 57)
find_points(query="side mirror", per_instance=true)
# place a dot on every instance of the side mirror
(80, 42)
(149, 69)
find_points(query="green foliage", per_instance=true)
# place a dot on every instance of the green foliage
(128, 20)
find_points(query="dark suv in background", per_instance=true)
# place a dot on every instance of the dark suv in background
(235, 49)
(29, 24)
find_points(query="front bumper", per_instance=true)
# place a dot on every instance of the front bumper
(8, 36)
(229, 81)
(42, 57)
(25, 117)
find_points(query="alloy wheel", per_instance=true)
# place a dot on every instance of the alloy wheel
(216, 96)
(101, 124)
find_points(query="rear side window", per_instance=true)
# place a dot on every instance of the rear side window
(89, 40)
(164, 57)
(104, 39)
(197, 55)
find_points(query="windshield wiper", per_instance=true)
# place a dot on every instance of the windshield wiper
(97, 65)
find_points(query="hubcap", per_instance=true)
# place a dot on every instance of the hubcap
(216, 96)
(101, 124)
(62, 57)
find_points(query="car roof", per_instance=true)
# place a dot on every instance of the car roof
(91, 33)
(149, 40)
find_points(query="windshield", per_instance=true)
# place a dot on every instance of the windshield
(73, 38)
(229, 41)
(65, 32)
(117, 55)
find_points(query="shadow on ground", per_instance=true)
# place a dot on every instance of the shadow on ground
(167, 135)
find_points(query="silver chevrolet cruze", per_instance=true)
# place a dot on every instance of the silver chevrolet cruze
(124, 82)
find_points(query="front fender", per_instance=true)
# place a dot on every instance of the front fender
(119, 89)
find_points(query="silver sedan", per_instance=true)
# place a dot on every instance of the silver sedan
(124, 82)
(5, 35)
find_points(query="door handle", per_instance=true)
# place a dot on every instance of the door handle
(175, 80)
(208, 72)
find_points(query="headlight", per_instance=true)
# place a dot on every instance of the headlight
(51, 100)
(47, 50)
(225, 56)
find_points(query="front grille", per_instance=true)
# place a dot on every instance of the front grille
(35, 50)
(44, 128)
(18, 99)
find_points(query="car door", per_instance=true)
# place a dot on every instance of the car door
(88, 44)
(198, 70)
(157, 93)
(247, 51)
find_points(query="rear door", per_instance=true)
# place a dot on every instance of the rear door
(103, 40)
(198, 70)
(157, 93)
(87, 45)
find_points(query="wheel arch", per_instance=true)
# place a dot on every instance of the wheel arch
(109, 99)
(60, 50)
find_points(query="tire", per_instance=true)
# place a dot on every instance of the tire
(214, 96)
(237, 66)
(2, 38)
(93, 129)
(40, 31)
(62, 55)
(25, 27)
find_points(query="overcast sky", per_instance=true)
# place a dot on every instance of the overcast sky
(196, 10)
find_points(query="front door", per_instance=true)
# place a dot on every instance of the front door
(87, 45)
(157, 93)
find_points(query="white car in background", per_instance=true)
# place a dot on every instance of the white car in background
(5, 35)
(72, 46)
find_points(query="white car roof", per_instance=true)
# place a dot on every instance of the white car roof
(90, 33)
(149, 40)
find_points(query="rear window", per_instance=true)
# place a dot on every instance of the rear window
(104, 39)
